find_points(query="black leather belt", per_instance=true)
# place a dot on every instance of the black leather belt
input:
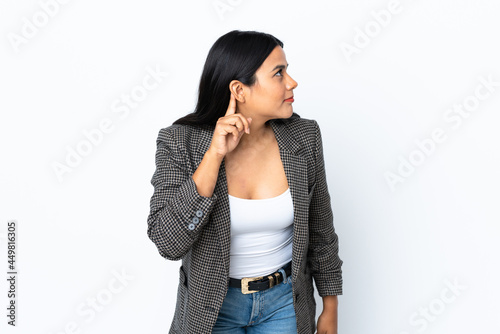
(254, 284)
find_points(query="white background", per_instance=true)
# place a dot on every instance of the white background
(402, 247)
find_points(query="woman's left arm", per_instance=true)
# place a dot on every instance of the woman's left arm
(323, 258)
(327, 321)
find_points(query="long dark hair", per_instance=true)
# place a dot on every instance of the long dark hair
(236, 55)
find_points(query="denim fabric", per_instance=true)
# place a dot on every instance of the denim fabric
(262, 312)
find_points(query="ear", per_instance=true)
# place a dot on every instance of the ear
(237, 88)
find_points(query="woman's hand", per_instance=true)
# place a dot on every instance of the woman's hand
(229, 129)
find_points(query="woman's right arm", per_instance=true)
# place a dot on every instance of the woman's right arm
(205, 176)
(177, 210)
(182, 202)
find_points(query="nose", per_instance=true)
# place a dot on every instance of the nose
(291, 84)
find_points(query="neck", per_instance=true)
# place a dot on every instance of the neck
(259, 132)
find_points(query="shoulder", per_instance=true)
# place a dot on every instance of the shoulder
(182, 131)
(181, 136)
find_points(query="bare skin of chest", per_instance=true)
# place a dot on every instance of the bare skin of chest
(255, 174)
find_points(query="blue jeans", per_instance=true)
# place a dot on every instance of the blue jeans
(264, 312)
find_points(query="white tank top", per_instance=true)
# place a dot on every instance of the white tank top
(261, 235)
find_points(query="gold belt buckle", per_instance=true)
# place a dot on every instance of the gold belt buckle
(244, 284)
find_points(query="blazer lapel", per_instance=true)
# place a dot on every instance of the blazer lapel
(295, 166)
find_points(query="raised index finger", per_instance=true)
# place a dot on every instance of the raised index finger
(231, 109)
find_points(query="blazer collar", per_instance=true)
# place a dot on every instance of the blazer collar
(286, 141)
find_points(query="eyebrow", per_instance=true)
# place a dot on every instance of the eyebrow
(279, 66)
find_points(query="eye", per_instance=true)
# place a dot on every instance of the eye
(279, 72)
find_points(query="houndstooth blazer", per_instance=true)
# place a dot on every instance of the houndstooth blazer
(185, 225)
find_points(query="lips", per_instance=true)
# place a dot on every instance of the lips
(290, 99)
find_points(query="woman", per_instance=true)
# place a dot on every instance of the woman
(240, 195)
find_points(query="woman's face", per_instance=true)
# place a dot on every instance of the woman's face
(266, 98)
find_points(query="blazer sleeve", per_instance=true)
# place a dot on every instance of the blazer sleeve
(177, 211)
(323, 255)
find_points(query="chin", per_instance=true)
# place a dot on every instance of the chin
(284, 113)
